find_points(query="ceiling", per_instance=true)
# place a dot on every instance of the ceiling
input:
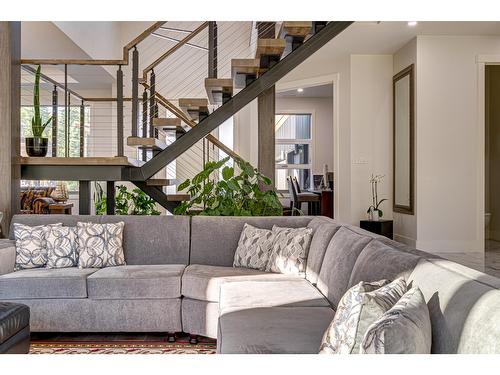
(321, 91)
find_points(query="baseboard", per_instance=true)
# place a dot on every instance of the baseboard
(446, 246)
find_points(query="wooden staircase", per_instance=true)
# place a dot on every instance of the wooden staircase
(276, 54)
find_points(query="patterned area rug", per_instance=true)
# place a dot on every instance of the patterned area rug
(130, 346)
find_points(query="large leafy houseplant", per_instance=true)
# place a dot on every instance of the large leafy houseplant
(135, 202)
(232, 195)
(37, 144)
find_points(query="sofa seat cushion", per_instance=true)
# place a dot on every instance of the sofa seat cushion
(136, 282)
(41, 283)
(242, 295)
(13, 318)
(202, 282)
(287, 330)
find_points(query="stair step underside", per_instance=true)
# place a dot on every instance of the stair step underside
(193, 107)
(146, 143)
(240, 68)
(217, 88)
(162, 182)
(178, 197)
(167, 122)
(295, 28)
(269, 47)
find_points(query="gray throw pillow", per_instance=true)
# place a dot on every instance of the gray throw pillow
(100, 245)
(254, 248)
(290, 249)
(62, 247)
(360, 306)
(403, 329)
(31, 247)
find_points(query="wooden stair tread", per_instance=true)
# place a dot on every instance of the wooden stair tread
(167, 122)
(150, 143)
(216, 86)
(193, 104)
(162, 182)
(274, 47)
(178, 197)
(76, 161)
(245, 66)
(295, 28)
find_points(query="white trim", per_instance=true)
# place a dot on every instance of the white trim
(317, 81)
(480, 170)
(488, 59)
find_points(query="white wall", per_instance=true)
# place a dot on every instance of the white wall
(405, 226)
(371, 131)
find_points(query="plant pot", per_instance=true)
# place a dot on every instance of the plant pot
(375, 216)
(36, 147)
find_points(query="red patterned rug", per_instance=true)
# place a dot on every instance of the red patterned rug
(130, 346)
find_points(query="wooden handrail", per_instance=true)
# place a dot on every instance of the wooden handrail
(182, 42)
(178, 113)
(124, 60)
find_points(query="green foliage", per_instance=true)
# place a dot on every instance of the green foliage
(233, 195)
(135, 202)
(37, 124)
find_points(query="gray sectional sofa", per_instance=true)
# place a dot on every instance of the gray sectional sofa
(179, 277)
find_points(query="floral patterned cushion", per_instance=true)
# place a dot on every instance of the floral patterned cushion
(31, 246)
(403, 329)
(62, 247)
(254, 248)
(290, 249)
(360, 306)
(100, 245)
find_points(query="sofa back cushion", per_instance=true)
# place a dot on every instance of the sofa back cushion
(338, 262)
(379, 261)
(464, 306)
(323, 233)
(146, 239)
(214, 239)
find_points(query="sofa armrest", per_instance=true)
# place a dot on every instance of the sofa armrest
(7, 256)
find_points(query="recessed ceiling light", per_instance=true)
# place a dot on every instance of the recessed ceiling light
(412, 23)
(300, 90)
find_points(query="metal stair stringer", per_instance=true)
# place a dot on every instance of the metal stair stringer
(157, 195)
(240, 100)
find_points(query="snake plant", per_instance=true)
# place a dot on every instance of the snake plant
(37, 124)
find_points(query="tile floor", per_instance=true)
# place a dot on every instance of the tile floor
(488, 263)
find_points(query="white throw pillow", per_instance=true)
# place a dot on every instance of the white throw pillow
(254, 248)
(360, 306)
(31, 247)
(403, 329)
(62, 247)
(290, 249)
(100, 245)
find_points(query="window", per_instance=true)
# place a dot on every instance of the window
(293, 149)
(74, 136)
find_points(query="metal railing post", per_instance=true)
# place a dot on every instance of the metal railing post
(152, 103)
(82, 130)
(144, 120)
(135, 91)
(212, 49)
(68, 127)
(119, 110)
(54, 121)
(66, 118)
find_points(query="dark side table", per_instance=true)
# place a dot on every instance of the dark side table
(382, 227)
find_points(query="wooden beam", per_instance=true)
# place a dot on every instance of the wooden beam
(10, 104)
(266, 133)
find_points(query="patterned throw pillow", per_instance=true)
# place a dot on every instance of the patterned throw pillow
(100, 245)
(360, 306)
(62, 247)
(31, 247)
(254, 248)
(404, 329)
(290, 249)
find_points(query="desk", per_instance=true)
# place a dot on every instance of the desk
(326, 201)
(60, 208)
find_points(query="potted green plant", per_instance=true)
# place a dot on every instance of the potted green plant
(374, 212)
(216, 192)
(37, 144)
